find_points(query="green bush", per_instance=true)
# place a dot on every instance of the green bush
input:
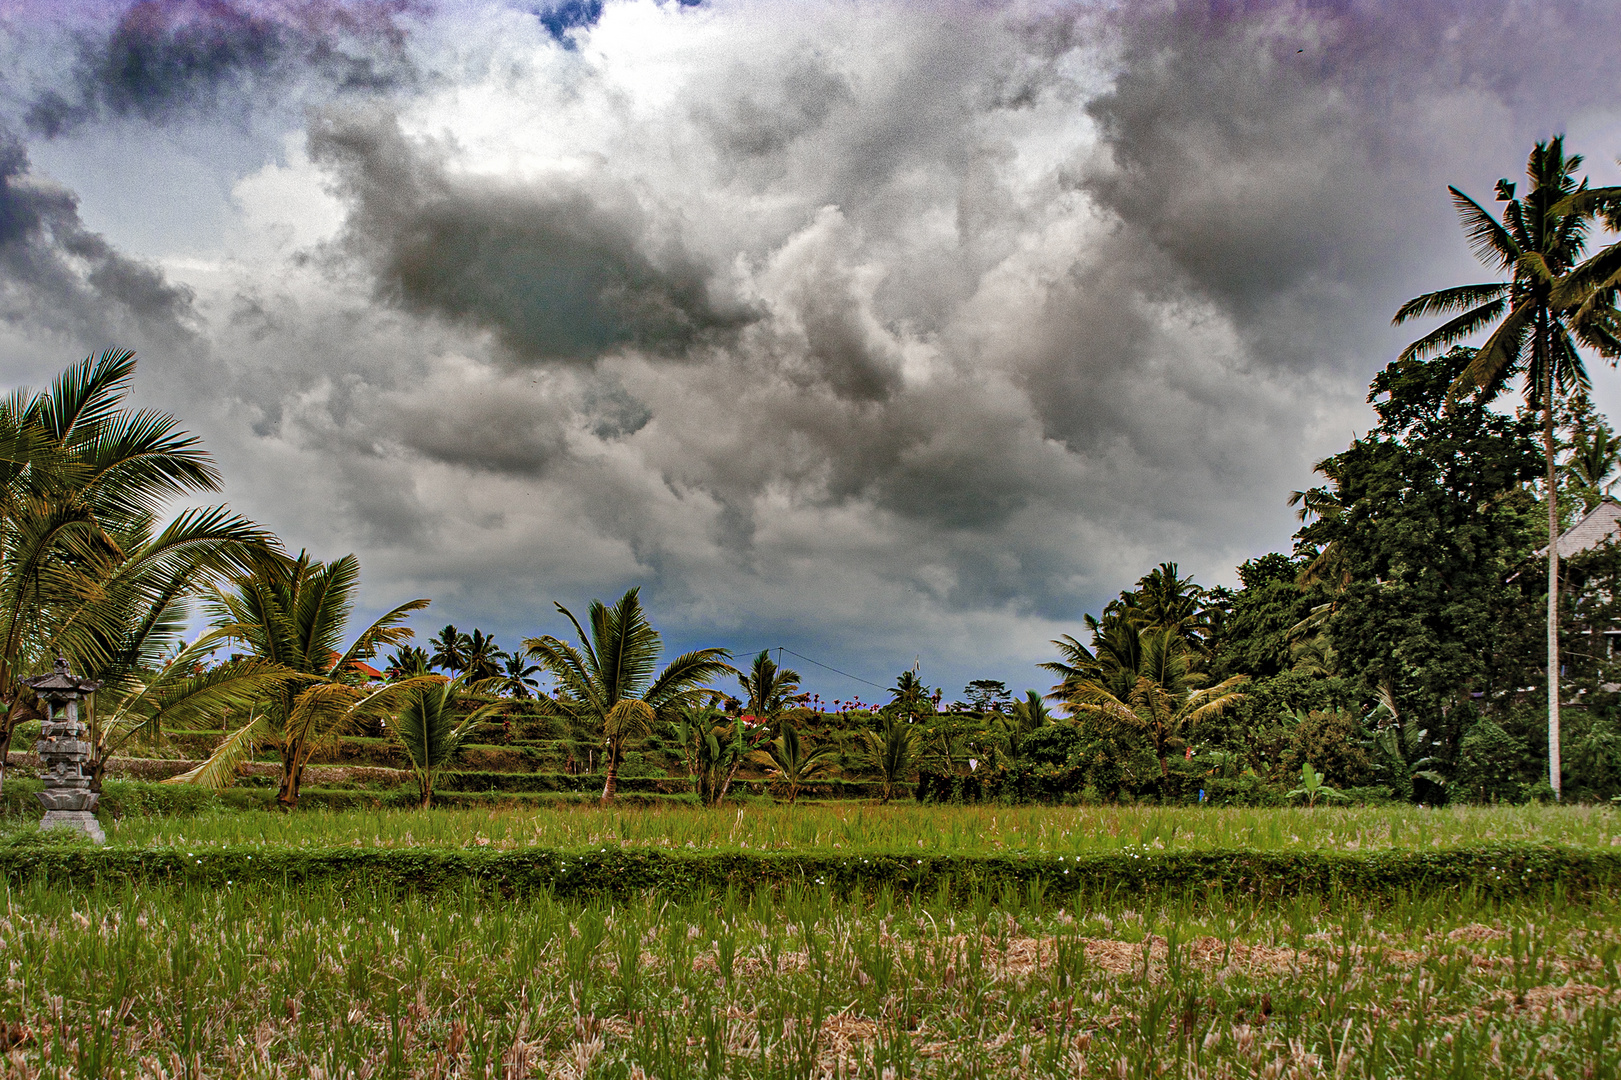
(1490, 762)
(1493, 871)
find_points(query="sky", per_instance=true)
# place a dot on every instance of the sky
(886, 332)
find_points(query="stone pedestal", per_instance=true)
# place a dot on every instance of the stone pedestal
(64, 754)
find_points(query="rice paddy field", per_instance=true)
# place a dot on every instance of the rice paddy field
(896, 828)
(169, 980)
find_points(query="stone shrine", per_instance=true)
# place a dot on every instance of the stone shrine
(64, 753)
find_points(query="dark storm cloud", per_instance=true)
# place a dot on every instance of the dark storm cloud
(165, 58)
(56, 273)
(1277, 152)
(559, 270)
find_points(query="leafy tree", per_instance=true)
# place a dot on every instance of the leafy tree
(1534, 329)
(427, 730)
(986, 695)
(1331, 741)
(1402, 752)
(769, 689)
(1430, 522)
(608, 678)
(795, 763)
(1489, 763)
(1255, 640)
(295, 615)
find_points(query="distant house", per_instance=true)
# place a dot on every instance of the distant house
(1601, 525)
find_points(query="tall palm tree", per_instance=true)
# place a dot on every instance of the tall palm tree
(1532, 326)
(295, 614)
(516, 676)
(608, 678)
(769, 689)
(910, 696)
(86, 570)
(482, 656)
(889, 751)
(449, 650)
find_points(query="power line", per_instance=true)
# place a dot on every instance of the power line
(780, 649)
(834, 670)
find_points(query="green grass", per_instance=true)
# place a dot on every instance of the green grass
(235, 982)
(896, 828)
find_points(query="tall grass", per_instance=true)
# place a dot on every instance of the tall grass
(958, 829)
(272, 983)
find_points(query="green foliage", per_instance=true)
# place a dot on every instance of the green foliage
(1333, 742)
(1498, 871)
(1255, 639)
(1491, 764)
(1426, 521)
(795, 763)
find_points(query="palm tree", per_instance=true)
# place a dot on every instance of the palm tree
(1164, 601)
(180, 694)
(86, 571)
(515, 676)
(482, 657)
(1162, 702)
(608, 677)
(449, 650)
(295, 614)
(889, 752)
(769, 689)
(427, 731)
(1534, 320)
(909, 696)
(794, 762)
(1594, 455)
(406, 662)
(714, 747)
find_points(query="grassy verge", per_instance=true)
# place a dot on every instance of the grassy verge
(335, 981)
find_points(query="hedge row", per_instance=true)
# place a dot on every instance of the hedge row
(1497, 871)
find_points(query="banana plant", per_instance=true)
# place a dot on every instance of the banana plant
(1312, 787)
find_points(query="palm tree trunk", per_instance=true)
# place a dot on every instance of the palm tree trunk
(610, 783)
(1553, 566)
(291, 769)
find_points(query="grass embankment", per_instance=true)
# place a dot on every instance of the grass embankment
(282, 983)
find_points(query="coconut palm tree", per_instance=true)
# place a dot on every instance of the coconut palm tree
(608, 678)
(295, 614)
(890, 751)
(794, 762)
(516, 676)
(482, 658)
(1535, 320)
(1162, 703)
(86, 570)
(449, 650)
(909, 696)
(427, 730)
(182, 693)
(769, 689)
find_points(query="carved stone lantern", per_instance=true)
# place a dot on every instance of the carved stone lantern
(64, 753)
